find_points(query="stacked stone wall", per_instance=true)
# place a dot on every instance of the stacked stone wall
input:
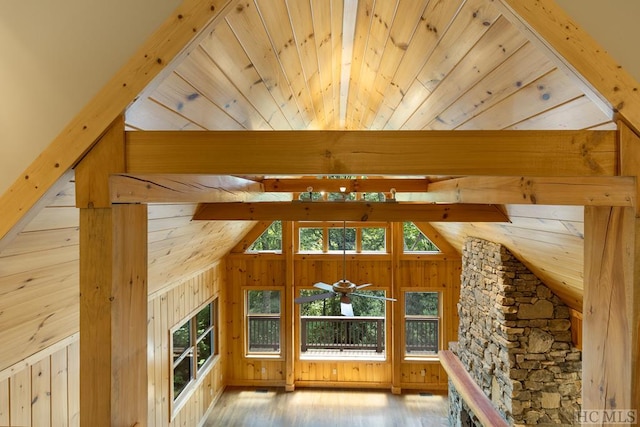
(515, 341)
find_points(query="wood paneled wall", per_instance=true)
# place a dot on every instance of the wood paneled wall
(166, 311)
(45, 392)
(426, 273)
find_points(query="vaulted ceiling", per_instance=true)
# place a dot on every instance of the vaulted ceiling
(388, 65)
(334, 64)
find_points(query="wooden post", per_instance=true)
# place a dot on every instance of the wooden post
(397, 351)
(611, 311)
(289, 306)
(113, 293)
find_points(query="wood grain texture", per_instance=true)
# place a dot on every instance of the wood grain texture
(349, 211)
(545, 22)
(79, 135)
(555, 153)
(181, 188)
(610, 315)
(582, 191)
(469, 391)
(549, 240)
(113, 283)
(92, 173)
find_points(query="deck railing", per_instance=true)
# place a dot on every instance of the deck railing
(421, 335)
(264, 333)
(344, 333)
(339, 332)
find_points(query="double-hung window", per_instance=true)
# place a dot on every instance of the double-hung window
(263, 322)
(193, 345)
(421, 323)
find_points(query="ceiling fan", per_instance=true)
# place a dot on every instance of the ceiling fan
(343, 287)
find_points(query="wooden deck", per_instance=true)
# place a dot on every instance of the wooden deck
(322, 407)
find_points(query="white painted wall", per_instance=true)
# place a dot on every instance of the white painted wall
(613, 24)
(54, 56)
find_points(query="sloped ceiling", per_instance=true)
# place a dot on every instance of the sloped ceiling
(330, 64)
(410, 65)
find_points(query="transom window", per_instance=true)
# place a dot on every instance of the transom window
(327, 237)
(193, 346)
(421, 323)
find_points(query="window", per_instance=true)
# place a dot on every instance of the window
(415, 240)
(422, 323)
(263, 322)
(325, 333)
(328, 237)
(193, 346)
(270, 240)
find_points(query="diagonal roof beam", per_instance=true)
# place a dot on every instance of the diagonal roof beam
(349, 211)
(166, 43)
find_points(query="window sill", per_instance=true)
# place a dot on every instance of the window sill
(264, 356)
(422, 359)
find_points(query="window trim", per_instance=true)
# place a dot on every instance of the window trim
(326, 225)
(176, 403)
(408, 357)
(386, 354)
(280, 355)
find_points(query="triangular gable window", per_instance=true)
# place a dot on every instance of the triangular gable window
(415, 240)
(270, 240)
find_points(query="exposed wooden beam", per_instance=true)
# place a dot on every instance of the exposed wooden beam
(349, 211)
(577, 191)
(87, 126)
(369, 185)
(92, 173)
(113, 316)
(158, 188)
(537, 153)
(611, 313)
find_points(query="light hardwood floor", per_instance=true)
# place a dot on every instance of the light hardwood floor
(322, 407)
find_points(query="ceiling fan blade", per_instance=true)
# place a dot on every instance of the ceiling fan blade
(315, 297)
(346, 309)
(325, 286)
(364, 286)
(374, 297)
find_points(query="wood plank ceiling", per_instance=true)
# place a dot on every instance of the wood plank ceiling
(334, 64)
(387, 65)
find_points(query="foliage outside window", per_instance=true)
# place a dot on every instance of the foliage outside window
(311, 239)
(193, 346)
(263, 322)
(337, 236)
(328, 237)
(270, 240)
(415, 240)
(422, 323)
(323, 328)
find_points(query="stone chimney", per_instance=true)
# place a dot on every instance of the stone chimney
(515, 341)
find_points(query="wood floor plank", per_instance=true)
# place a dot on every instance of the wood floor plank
(322, 407)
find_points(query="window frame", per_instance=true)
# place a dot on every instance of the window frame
(386, 353)
(280, 354)
(406, 356)
(326, 225)
(197, 373)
